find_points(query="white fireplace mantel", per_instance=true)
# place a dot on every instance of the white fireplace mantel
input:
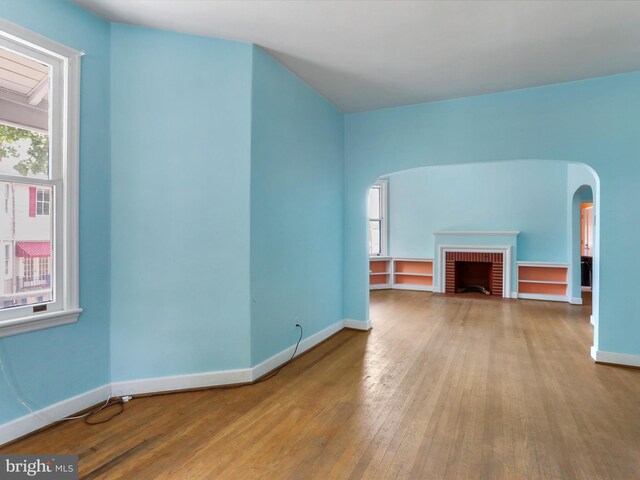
(481, 241)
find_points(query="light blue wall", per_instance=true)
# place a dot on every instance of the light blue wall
(181, 126)
(591, 121)
(529, 196)
(296, 209)
(57, 363)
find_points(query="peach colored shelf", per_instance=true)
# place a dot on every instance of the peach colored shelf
(413, 280)
(550, 274)
(379, 266)
(542, 288)
(412, 266)
(378, 279)
(542, 279)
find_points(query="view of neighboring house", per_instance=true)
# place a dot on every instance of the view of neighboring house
(25, 233)
(25, 239)
(25, 208)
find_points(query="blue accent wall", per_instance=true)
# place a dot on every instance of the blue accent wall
(529, 196)
(180, 224)
(296, 209)
(591, 121)
(51, 365)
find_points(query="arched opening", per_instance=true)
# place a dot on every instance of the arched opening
(525, 211)
(584, 248)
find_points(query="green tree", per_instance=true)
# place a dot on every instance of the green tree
(38, 151)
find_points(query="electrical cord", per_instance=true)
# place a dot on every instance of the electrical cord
(108, 402)
(115, 401)
(273, 373)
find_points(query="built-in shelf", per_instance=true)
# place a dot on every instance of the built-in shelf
(401, 273)
(413, 274)
(379, 273)
(543, 281)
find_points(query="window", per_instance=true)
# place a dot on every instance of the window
(377, 219)
(43, 268)
(42, 201)
(39, 86)
(27, 272)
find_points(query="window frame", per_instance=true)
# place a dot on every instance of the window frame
(63, 178)
(383, 185)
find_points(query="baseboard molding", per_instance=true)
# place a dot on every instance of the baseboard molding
(180, 382)
(539, 296)
(624, 359)
(46, 416)
(417, 288)
(398, 286)
(357, 324)
(591, 320)
(30, 423)
(575, 301)
(306, 344)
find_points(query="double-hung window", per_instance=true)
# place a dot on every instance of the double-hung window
(378, 219)
(39, 115)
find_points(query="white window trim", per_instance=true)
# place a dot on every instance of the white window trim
(69, 309)
(383, 184)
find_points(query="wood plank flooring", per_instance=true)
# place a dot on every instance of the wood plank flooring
(441, 388)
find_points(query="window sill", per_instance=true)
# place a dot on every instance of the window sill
(31, 323)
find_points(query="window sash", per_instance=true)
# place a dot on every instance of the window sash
(64, 64)
(381, 220)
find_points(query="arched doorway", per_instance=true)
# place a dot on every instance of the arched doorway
(541, 210)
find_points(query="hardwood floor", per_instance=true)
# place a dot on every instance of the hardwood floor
(441, 388)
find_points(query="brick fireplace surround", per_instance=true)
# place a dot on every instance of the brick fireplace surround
(496, 275)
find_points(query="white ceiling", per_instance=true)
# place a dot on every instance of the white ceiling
(364, 55)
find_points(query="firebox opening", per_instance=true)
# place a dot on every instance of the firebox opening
(474, 277)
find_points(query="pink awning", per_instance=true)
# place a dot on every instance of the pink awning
(33, 249)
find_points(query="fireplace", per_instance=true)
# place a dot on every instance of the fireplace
(474, 277)
(474, 269)
(495, 249)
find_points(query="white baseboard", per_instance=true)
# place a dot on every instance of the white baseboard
(180, 382)
(357, 324)
(417, 288)
(380, 286)
(29, 423)
(591, 320)
(514, 294)
(627, 359)
(283, 356)
(539, 296)
(51, 414)
(575, 301)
